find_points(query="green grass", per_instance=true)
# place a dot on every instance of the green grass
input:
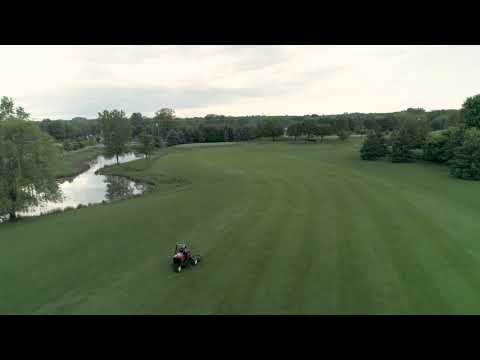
(72, 163)
(283, 228)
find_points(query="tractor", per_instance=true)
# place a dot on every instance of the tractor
(182, 257)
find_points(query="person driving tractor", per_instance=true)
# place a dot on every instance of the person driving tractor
(185, 250)
(183, 256)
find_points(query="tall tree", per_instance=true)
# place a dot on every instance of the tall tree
(137, 123)
(164, 118)
(374, 146)
(271, 128)
(147, 144)
(174, 137)
(323, 130)
(116, 132)
(402, 146)
(309, 128)
(466, 161)
(471, 111)
(27, 160)
(294, 130)
(342, 127)
(6, 108)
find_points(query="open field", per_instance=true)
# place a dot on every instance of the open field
(283, 228)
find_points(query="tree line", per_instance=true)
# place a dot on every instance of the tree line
(28, 151)
(80, 132)
(457, 145)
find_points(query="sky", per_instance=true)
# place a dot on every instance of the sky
(62, 82)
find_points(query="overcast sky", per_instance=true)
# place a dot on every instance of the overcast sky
(67, 81)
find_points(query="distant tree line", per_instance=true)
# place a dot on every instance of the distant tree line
(218, 128)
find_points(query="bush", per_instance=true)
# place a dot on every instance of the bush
(402, 146)
(435, 147)
(466, 161)
(174, 137)
(374, 146)
(343, 134)
(440, 146)
(67, 146)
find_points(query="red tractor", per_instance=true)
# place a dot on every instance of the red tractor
(182, 257)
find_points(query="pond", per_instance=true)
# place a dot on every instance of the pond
(90, 188)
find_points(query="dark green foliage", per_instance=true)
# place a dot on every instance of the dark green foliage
(435, 146)
(343, 134)
(271, 128)
(165, 120)
(455, 139)
(466, 161)
(323, 130)
(374, 147)
(294, 130)
(7, 110)
(342, 127)
(402, 146)
(471, 111)
(116, 132)
(27, 160)
(77, 128)
(71, 145)
(147, 144)
(309, 129)
(137, 123)
(174, 137)
(439, 146)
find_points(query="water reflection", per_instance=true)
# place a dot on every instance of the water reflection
(90, 188)
(120, 187)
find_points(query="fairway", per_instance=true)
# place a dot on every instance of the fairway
(283, 228)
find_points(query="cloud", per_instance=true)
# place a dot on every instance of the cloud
(68, 81)
(89, 101)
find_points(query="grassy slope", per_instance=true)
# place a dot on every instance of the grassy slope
(74, 162)
(283, 229)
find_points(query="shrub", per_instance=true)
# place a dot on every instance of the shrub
(466, 161)
(402, 146)
(374, 146)
(435, 147)
(343, 134)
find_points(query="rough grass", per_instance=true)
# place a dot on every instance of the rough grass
(72, 163)
(283, 228)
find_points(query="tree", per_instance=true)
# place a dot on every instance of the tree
(147, 144)
(294, 130)
(401, 146)
(323, 130)
(471, 111)
(6, 108)
(27, 160)
(137, 123)
(174, 137)
(374, 146)
(440, 146)
(342, 127)
(271, 128)
(164, 118)
(417, 129)
(116, 132)
(466, 161)
(309, 128)
(455, 139)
